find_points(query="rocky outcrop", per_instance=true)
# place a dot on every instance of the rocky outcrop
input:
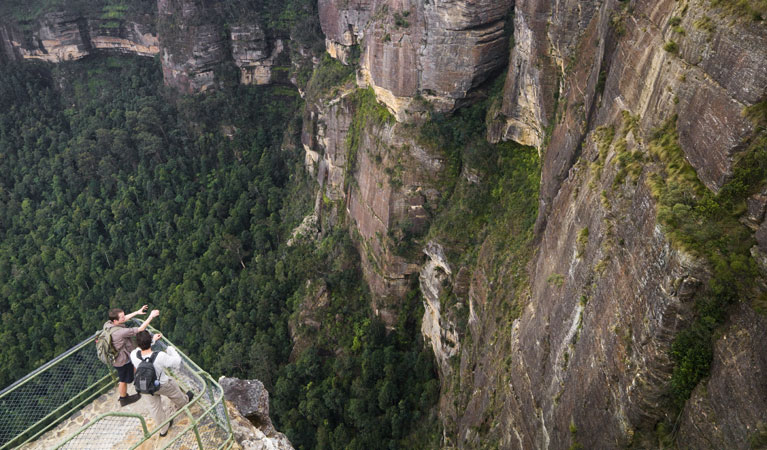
(128, 37)
(193, 44)
(305, 325)
(343, 24)
(63, 36)
(588, 359)
(324, 138)
(621, 50)
(197, 48)
(755, 220)
(373, 168)
(584, 356)
(410, 53)
(248, 406)
(60, 37)
(8, 50)
(252, 55)
(528, 101)
(712, 127)
(190, 37)
(436, 325)
(600, 325)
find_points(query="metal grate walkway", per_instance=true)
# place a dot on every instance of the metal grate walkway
(65, 404)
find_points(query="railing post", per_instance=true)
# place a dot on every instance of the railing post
(196, 430)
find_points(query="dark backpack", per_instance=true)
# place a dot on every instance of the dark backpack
(145, 380)
(104, 348)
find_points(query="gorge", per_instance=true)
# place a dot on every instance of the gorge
(568, 196)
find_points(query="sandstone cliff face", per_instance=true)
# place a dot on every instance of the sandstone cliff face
(384, 184)
(695, 82)
(728, 411)
(588, 360)
(193, 44)
(437, 326)
(8, 50)
(528, 101)
(303, 328)
(252, 54)
(196, 47)
(63, 36)
(437, 51)
(189, 36)
(591, 349)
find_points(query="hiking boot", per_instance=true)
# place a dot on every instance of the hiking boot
(125, 401)
(170, 424)
(190, 394)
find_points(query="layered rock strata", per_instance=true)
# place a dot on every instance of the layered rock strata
(194, 46)
(620, 48)
(588, 361)
(728, 410)
(591, 350)
(62, 36)
(252, 54)
(414, 53)
(384, 185)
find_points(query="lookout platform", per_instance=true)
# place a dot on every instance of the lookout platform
(71, 403)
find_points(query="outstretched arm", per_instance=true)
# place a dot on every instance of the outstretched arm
(141, 310)
(152, 315)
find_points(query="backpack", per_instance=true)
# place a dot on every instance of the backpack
(104, 348)
(145, 379)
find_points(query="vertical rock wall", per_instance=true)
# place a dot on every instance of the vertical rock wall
(197, 46)
(588, 360)
(411, 52)
(191, 38)
(384, 184)
(62, 36)
(193, 44)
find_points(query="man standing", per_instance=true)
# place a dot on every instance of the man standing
(168, 386)
(123, 344)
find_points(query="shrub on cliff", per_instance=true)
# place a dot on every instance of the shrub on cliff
(707, 225)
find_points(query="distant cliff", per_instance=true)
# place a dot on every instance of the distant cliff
(63, 36)
(190, 39)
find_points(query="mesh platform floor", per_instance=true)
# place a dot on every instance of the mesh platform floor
(124, 432)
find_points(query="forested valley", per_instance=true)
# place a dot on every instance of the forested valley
(116, 191)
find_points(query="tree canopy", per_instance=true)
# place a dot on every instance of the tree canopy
(115, 193)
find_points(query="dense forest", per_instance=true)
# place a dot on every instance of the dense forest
(116, 192)
(606, 288)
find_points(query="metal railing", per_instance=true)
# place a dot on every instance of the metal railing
(44, 398)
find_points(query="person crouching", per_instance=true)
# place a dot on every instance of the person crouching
(168, 386)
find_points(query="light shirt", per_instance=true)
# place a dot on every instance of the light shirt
(167, 359)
